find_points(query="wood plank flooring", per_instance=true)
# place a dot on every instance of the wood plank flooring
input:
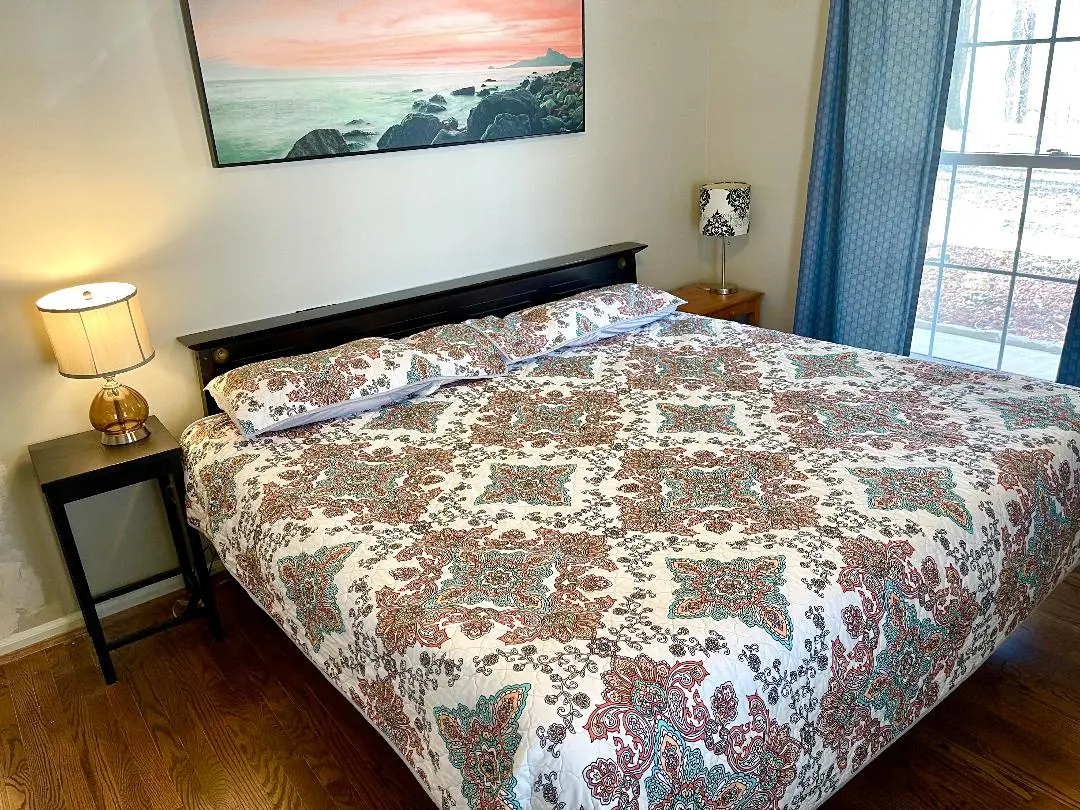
(250, 723)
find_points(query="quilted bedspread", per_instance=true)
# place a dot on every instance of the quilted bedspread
(699, 566)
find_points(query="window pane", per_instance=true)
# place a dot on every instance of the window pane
(966, 30)
(936, 237)
(971, 317)
(924, 315)
(1016, 19)
(985, 223)
(958, 84)
(1051, 245)
(1062, 129)
(1040, 311)
(1069, 23)
(1037, 323)
(952, 138)
(1006, 98)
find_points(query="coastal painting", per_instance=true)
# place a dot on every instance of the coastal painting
(282, 80)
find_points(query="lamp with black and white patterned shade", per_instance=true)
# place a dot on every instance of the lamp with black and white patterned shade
(725, 212)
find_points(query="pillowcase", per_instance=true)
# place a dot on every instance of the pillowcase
(462, 344)
(631, 306)
(576, 321)
(359, 376)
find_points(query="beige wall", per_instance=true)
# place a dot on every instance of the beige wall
(766, 71)
(105, 175)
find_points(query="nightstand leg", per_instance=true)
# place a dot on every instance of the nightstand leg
(175, 515)
(82, 587)
(209, 602)
(190, 551)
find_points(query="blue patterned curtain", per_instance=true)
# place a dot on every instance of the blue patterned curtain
(1069, 370)
(884, 88)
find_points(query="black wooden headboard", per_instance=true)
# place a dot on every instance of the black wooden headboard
(407, 312)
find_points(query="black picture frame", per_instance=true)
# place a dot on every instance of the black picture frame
(212, 142)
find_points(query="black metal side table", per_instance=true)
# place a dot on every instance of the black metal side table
(79, 466)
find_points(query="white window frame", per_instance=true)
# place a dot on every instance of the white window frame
(1032, 163)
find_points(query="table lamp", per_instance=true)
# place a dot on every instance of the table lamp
(725, 212)
(97, 330)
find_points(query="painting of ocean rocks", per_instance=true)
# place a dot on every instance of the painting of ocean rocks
(292, 81)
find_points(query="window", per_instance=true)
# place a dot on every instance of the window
(1003, 255)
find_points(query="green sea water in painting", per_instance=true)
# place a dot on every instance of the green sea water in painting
(261, 119)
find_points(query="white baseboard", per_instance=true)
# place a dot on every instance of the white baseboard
(43, 632)
(74, 621)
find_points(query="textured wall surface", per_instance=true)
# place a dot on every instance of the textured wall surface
(20, 586)
(766, 71)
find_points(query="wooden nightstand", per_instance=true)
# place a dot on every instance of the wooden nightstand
(743, 306)
(79, 466)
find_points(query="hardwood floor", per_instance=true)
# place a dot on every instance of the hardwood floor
(249, 723)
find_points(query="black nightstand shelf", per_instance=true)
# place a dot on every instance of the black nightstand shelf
(79, 466)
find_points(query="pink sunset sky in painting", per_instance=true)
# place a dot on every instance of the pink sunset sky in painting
(382, 35)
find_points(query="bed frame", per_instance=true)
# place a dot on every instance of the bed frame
(407, 312)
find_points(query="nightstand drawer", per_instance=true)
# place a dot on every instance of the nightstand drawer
(743, 313)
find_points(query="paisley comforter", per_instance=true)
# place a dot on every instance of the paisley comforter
(701, 565)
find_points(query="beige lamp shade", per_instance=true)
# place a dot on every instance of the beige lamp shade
(96, 330)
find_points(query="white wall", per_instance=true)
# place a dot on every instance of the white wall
(105, 175)
(766, 71)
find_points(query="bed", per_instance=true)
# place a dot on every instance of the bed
(698, 565)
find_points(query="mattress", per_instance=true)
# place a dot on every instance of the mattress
(699, 565)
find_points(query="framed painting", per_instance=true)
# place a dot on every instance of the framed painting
(281, 80)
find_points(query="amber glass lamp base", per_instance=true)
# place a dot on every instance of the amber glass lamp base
(119, 413)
